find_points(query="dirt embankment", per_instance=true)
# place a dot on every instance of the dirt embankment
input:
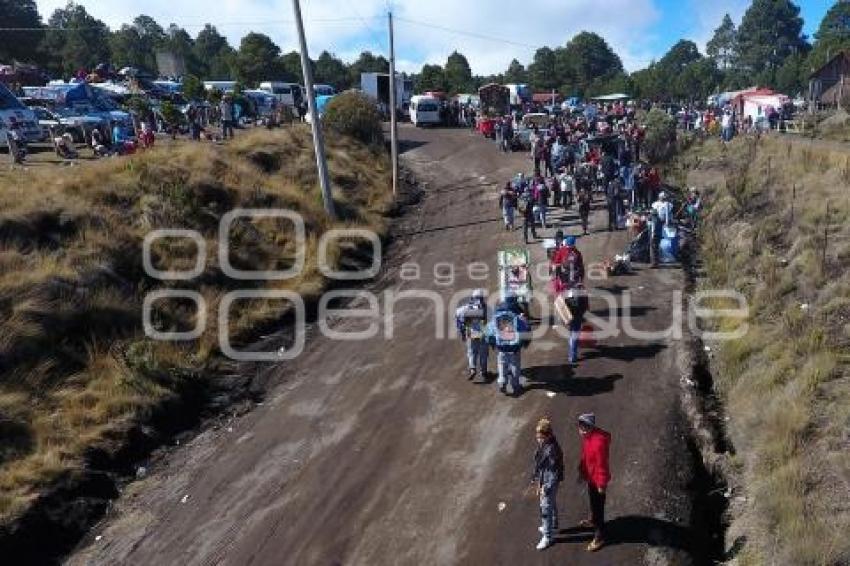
(83, 392)
(776, 230)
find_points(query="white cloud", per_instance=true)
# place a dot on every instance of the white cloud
(707, 17)
(625, 24)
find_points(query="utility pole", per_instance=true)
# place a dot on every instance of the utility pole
(318, 141)
(393, 123)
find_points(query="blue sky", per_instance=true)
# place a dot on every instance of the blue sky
(489, 32)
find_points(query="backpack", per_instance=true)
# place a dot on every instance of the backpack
(471, 318)
(505, 330)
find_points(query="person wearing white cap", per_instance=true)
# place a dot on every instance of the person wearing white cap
(471, 321)
(593, 469)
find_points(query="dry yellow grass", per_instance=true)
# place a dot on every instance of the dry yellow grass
(75, 366)
(786, 385)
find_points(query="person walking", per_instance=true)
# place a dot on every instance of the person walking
(568, 266)
(508, 332)
(612, 193)
(594, 471)
(471, 323)
(567, 185)
(584, 199)
(546, 478)
(528, 217)
(578, 304)
(508, 204)
(225, 107)
(16, 144)
(541, 199)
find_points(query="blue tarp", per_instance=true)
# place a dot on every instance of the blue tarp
(322, 101)
(80, 93)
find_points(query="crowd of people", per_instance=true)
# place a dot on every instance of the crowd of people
(575, 162)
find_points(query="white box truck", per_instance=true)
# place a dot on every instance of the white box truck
(377, 86)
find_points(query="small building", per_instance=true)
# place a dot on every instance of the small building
(757, 103)
(829, 84)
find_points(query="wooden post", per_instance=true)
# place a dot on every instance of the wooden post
(393, 112)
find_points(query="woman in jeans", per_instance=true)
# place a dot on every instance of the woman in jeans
(548, 475)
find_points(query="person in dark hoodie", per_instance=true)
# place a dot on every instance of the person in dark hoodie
(593, 470)
(529, 218)
(547, 476)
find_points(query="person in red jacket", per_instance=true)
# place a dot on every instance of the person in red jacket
(567, 266)
(593, 469)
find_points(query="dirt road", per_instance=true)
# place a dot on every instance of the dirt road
(381, 452)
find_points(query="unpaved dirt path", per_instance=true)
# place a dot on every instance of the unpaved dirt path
(381, 452)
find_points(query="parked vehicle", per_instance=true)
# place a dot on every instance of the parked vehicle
(424, 110)
(265, 104)
(324, 90)
(223, 86)
(289, 94)
(80, 125)
(522, 132)
(377, 86)
(13, 111)
(321, 104)
(520, 94)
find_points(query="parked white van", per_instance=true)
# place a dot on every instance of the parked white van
(424, 110)
(289, 94)
(224, 86)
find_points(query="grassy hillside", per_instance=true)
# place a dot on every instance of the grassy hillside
(76, 370)
(778, 229)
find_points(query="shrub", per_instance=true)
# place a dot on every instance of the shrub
(660, 141)
(171, 114)
(193, 88)
(353, 114)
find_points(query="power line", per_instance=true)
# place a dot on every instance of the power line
(198, 25)
(366, 26)
(466, 33)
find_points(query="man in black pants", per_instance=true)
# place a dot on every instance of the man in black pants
(594, 470)
(528, 215)
(612, 193)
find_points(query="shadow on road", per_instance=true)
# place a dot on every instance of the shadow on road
(614, 289)
(626, 353)
(560, 379)
(635, 529)
(622, 312)
(452, 227)
(408, 145)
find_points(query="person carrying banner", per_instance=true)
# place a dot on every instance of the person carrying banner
(508, 333)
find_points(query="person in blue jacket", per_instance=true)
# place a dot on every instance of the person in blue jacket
(508, 332)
